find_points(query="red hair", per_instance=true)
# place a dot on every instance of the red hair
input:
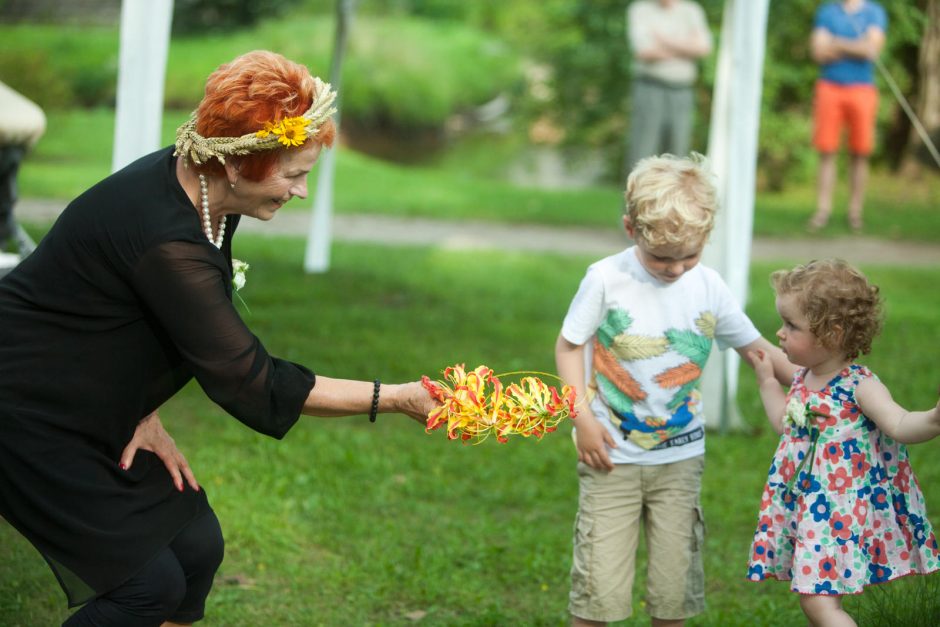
(242, 95)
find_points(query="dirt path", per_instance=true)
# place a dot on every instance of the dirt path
(474, 235)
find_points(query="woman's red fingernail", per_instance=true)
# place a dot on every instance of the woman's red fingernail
(123, 467)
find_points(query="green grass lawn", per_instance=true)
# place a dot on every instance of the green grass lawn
(349, 523)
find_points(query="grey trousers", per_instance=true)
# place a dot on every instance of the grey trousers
(10, 158)
(660, 121)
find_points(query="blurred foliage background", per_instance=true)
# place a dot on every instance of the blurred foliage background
(416, 68)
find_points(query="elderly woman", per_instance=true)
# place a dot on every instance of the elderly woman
(126, 299)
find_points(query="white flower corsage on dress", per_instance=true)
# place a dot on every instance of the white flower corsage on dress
(239, 270)
(796, 412)
(799, 414)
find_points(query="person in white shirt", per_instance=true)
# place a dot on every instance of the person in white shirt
(634, 341)
(21, 126)
(667, 38)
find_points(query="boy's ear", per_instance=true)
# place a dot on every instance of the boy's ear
(628, 225)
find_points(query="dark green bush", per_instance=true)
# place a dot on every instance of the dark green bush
(399, 72)
(192, 17)
(60, 67)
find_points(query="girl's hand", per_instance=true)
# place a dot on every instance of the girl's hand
(151, 436)
(763, 366)
(592, 441)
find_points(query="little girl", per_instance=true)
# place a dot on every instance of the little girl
(841, 508)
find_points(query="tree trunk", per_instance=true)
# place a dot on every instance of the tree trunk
(927, 106)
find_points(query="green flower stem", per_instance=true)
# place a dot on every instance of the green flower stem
(810, 454)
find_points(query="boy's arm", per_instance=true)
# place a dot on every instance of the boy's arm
(591, 436)
(909, 427)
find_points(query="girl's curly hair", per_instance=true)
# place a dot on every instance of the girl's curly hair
(844, 310)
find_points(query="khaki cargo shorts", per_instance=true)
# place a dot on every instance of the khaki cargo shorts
(664, 500)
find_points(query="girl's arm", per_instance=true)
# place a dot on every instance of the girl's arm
(908, 427)
(592, 439)
(771, 393)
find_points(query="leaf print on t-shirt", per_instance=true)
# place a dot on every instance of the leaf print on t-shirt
(635, 347)
(615, 322)
(679, 375)
(690, 344)
(706, 324)
(606, 364)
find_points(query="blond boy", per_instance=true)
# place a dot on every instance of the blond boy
(635, 341)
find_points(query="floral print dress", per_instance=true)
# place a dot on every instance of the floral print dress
(841, 508)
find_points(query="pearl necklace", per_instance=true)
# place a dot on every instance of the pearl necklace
(206, 218)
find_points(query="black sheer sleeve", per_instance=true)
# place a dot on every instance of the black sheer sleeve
(186, 288)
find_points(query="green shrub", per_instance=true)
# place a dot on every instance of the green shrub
(785, 152)
(399, 72)
(199, 16)
(60, 67)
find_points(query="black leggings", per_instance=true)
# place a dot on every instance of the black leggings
(172, 586)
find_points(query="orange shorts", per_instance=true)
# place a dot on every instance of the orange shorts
(836, 106)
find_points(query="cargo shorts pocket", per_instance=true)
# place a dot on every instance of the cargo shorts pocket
(698, 530)
(695, 581)
(582, 563)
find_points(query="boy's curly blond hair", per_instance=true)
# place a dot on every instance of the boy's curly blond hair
(844, 310)
(671, 200)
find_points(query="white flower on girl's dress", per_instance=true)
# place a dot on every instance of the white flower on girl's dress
(796, 412)
(239, 269)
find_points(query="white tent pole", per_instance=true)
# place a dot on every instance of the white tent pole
(145, 40)
(320, 231)
(732, 150)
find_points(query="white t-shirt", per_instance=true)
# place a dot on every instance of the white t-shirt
(653, 339)
(646, 18)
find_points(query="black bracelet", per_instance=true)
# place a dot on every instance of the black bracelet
(375, 400)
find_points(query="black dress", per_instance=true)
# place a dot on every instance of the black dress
(122, 303)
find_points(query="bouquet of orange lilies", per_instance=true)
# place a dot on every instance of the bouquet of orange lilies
(475, 404)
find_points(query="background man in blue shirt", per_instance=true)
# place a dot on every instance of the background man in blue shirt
(847, 37)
